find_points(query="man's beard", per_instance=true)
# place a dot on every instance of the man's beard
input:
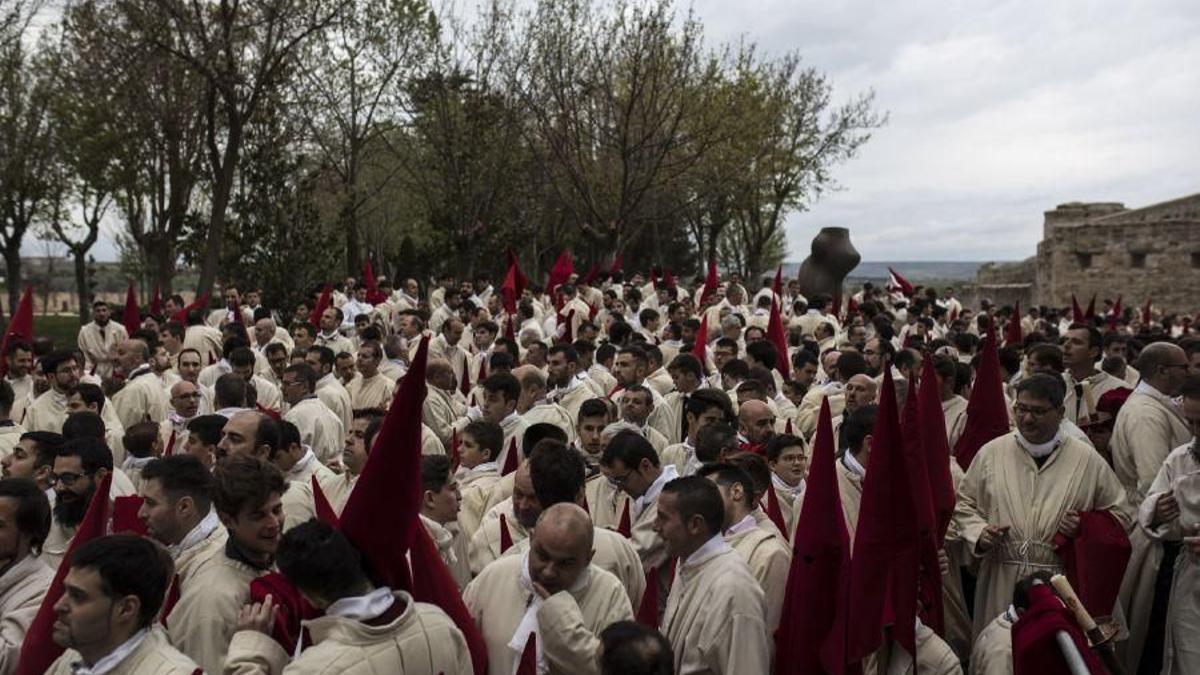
(69, 511)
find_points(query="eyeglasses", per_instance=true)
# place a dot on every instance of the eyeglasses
(67, 479)
(620, 480)
(1035, 413)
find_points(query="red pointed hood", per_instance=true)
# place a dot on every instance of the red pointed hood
(1090, 312)
(513, 286)
(371, 282)
(323, 303)
(39, 649)
(528, 664)
(156, 303)
(20, 328)
(563, 268)
(617, 263)
(774, 511)
(711, 281)
(506, 541)
(511, 458)
(883, 579)
(777, 285)
(899, 283)
(200, 302)
(170, 449)
(809, 638)
(1012, 331)
(1146, 316)
(1076, 311)
(647, 611)
(625, 526)
(778, 338)
(132, 316)
(391, 483)
(987, 412)
(669, 279)
(1114, 317)
(936, 446)
(433, 584)
(929, 539)
(324, 510)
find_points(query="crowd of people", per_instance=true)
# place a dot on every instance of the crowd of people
(612, 471)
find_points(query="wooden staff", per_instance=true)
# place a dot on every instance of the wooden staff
(1095, 635)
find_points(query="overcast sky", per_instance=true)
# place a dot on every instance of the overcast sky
(998, 112)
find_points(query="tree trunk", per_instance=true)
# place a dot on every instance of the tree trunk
(81, 286)
(12, 264)
(222, 191)
(350, 221)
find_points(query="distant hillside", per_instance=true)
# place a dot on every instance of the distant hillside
(915, 272)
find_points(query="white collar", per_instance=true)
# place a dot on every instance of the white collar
(179, 422)
(139, 463)
(1010, 614)
(782, 486)
(510, 421)
(1148, 389)
(303, 463)
(207, 525)
(1039, 450)
(363, 607)
(743, 525)
(853, 464)
(710, 548)
(113, 658)
(668, 474)
(482, 467)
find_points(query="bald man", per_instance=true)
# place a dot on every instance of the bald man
(1148, 427)
(142, 398)
(184, 407)
(441, 409)
(520, 513)
(552, 592)
(756, 426)
(861, 390)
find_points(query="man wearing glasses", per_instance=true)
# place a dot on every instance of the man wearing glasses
(49, 410)
(1025, 487)
(1147, 428)
(79, 466)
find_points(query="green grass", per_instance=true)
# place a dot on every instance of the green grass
(62, 329)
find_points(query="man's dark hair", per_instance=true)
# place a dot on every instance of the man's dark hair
(781, 442)
(53, 360)
(207, 428)
(944, 366)
(631, 448)
(242, 482)
(764, 352)
(859, 425)
(1044, 387)
(1020, 599)
(557, 472)
(129, 564)
(697, 496)
(268, 433)
(1095, 339)
(1010, 359)
(435, 472)
(802, 358)
(289, 434)
(726, 474)
(90, 394)
(536, 433)
(33, 509)
(46, 444)
(488, 436)
(568, 352)
(1191, 387)
(756, 468)
(319, 560)
(304, 373)
(92, 452)
(503, 383)
(714, 438)
(737, 369)
(501, 361)
(139, 439)
(703, 400)
(17, 345)
(1047, 354)
(324, 354)
(7, 396)
(242, 357)
(850, 364)
(605, 352)
(182, 475)
(687, 363)
(633, 649)
(231, 391)
(593, 407)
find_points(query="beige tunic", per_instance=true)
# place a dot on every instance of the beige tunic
(22, 396)
(605, 501)
(810, 406)
(769, 559)
(569, 624)
(672, 409)
(934, 657)
(142, 399)
(204, 339)
(205, 617)
(320, 429)
(1180, 474)
(474, 486)
(715, 616)
(371, 392)
(421, 641)
(571, 398)
(1145, 432)
(22, 588)
(1004, 486)
(439, 412)
(99, 346)
(452, 547)
(10, 435)
(551, 413)
(485, 543)
(154, 656)
(1092, 388)
(47, 412)
(992, 653)
(954, 409)
(298, 504)
(337, 342)
(336, 398)
(850, 488)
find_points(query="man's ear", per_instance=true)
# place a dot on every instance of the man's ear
(129, 608)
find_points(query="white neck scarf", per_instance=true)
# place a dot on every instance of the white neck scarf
(529, 623)
(781, 485)
(302, 464)
(741, 526)
(138, 463)
(363, 607)
(1039, 450)
(668, 474)
(710, 548)
(853, 464)
(199, 533)
(113, 658)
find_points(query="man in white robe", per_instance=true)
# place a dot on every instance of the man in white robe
(141, 398)
(553, 592)
(372, 389)
(1024, 488)
(98, 340)
(320, 429)
(24, 578)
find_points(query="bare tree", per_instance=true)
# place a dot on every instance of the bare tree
(242, 52)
